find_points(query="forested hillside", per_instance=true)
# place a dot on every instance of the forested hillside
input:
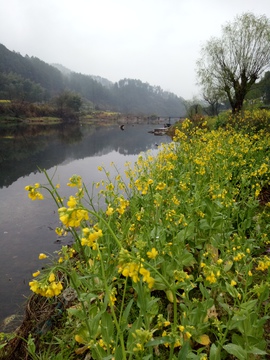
(30, 79)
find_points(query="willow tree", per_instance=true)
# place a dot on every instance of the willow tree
(232, 63)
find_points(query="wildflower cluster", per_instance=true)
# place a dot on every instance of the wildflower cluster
(90, 237)
(48, 287)
(33, 192)
(174, 264)
(134, 268)
(74, 214)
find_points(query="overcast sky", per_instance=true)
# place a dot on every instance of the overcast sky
(156, 41)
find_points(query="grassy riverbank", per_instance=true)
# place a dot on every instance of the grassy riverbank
(177, 264)
(84, 117)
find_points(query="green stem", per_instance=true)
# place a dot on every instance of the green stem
(78, 241)
(89, 197)
(54, 190)
(112, 307)
(107, 225)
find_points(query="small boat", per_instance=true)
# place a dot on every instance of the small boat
(160, 131)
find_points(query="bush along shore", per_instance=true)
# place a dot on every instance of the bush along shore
(175, 266)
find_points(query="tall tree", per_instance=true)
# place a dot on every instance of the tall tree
(232, 64)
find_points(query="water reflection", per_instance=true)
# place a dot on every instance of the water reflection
(23, 149)
(27, 228)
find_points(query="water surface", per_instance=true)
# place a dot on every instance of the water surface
(27, 227)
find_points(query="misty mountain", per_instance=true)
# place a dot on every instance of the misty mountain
(65, 71)
(31, 79)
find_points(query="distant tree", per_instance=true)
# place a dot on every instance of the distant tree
(24, 78)
(193, 107)
(262, 89)
(68, 105)
(214, 99)
(15, 87)
(232, 64)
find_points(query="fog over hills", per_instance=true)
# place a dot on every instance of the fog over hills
(31, 79)
(65, 71)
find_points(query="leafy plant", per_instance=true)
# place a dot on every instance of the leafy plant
(174, 266)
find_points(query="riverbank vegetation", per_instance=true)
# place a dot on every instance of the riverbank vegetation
(173, 264)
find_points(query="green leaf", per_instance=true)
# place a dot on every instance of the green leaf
(187, 232)
(79, 313)
(204, 225)
(118, 353)
(231, 290)
(182, 355)
(147, 357)
(226, 307)
(249, 305)
(75, 278)
(107, 327)
(256, 351)
(238, 340)
(228, 265)
(204, 291)
(214, 353)
(236, 350)
(158, 341)
(187, 259)
(124, 319)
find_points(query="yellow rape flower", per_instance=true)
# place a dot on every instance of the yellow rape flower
(72, 202)
(33, 194)
(90, 237)
(160, 186)
(109, 211)
(152, 254)
(42, 256)
(51, 277)
(211, 277)
(147, 278)
(34, 285)
(75, 181)
(60, 232)
(263, 264)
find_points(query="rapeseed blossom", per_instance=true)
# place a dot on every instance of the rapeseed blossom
(33, 193)
(109, 210)
(152, 254)
(46, 289)
(193, 208)
(90, 237)
(161, 186)
(75, 181)
(35, 274)
(263, 264)
(74, 214)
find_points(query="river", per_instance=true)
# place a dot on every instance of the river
(27, 227)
